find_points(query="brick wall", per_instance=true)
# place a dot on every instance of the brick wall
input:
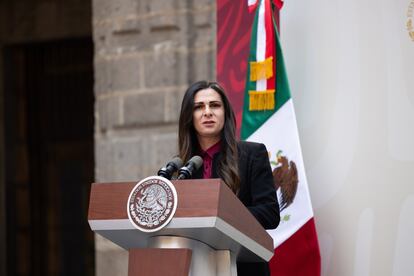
(146, 54)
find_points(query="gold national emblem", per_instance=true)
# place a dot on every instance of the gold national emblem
(152, 203)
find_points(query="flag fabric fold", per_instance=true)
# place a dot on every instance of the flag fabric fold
(269, 117)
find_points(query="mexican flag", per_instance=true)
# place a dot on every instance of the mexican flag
(269, 118)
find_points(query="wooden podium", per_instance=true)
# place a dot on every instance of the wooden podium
(210, 230)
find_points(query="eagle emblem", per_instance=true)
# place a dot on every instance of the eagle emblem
(152, 204)
(285, 177)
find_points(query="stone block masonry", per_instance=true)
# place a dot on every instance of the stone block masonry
(146, 54)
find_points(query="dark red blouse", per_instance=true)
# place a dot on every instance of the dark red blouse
(208, 158)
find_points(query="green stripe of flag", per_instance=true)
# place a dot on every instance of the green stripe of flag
(252, 120)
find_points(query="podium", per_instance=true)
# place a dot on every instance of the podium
(210, 231)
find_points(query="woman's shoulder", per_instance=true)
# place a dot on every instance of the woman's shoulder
(250, 147)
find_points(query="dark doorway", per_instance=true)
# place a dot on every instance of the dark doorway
(49, 160)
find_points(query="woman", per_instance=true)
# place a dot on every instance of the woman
(207, 128)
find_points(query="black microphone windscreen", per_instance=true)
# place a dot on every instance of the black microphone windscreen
(177, 162)
(197, 161)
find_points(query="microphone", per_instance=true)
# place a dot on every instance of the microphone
(170, 168)
(192, 165)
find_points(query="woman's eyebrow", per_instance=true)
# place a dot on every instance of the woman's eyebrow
(214, 101)
(209, 103)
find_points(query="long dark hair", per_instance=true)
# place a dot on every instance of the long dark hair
(187, 137)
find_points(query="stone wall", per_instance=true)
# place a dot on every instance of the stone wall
(146, 54)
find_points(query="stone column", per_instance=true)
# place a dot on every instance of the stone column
(146, 54)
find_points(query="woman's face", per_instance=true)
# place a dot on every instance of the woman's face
(208, 113)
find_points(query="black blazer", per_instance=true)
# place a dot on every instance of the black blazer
(257, 192)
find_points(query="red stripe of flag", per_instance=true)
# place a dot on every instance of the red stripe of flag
(299, 255)
(270, 42)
